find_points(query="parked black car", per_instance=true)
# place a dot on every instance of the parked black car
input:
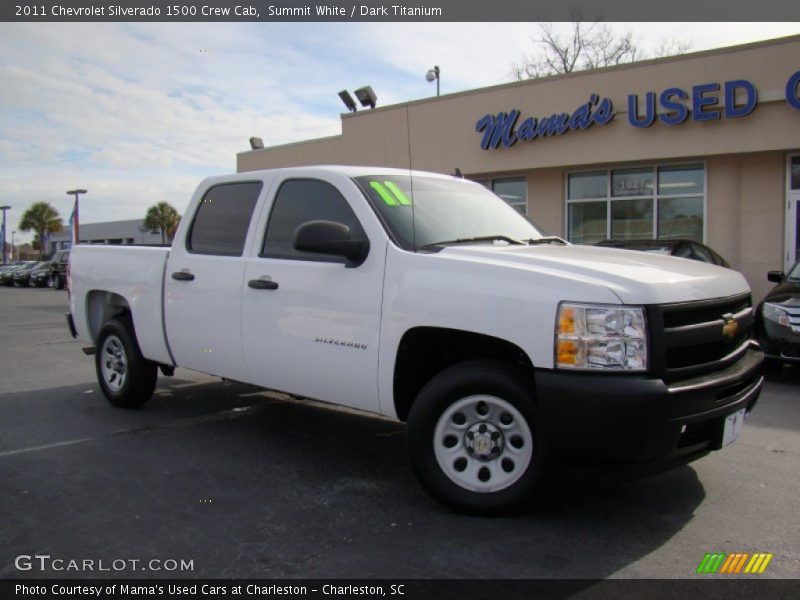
(778, 318)
(7, 275)
(58, 270)
(682, 248)
(7, 271)
(39, 275)
(20, 277)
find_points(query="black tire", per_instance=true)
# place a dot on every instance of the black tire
(136, 382)
(461, 386)
(57, 283)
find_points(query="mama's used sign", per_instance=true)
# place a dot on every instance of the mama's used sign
(740, 99)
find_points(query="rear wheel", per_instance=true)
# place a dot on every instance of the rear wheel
(125, 376)
(57, 283)
(474, 438)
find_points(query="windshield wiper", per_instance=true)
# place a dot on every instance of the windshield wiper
(550, 239)
(481, 238)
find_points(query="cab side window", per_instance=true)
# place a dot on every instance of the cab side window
(299, 201)
(222, 219)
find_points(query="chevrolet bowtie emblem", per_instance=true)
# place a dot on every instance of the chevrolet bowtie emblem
(730, 328)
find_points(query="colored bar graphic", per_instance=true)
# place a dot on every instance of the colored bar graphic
(759, 562)
(720, 562)
(398, 193)
(711, 563)
(383, 193)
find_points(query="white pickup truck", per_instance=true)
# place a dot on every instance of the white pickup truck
(427, 298)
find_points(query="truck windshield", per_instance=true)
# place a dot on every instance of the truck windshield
(436, 211)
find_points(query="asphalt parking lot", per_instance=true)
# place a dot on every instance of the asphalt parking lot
(245, 483)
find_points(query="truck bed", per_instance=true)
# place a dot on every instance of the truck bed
(134, 273)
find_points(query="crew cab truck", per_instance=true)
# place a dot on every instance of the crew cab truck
(427, 298)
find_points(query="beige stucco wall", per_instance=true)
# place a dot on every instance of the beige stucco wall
(438, 134)
(745, 157)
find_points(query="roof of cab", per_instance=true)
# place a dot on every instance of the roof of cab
(349, 170)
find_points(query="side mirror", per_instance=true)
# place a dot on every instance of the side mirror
(776, 276)
(330, 237)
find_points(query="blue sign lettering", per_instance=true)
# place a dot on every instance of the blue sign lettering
(792, 96)
(679, 113)
(649, 110)
(705, 106)
(499, 129)
(731, 110)
(699, 100)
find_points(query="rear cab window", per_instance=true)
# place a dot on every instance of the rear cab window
(222, 219)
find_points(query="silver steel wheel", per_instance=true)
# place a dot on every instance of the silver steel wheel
(483, 443)
(114, 363)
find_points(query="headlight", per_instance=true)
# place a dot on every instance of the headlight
(613, 338)
(776, 314)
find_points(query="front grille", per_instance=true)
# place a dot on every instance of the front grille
(689, 338)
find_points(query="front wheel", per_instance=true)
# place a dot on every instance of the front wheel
(57, 283)
(126, 377)
(474, 438)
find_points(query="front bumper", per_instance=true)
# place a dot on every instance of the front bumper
(622, 418)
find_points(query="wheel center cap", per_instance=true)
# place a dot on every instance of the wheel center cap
(484, 441)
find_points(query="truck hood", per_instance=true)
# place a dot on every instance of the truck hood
(634, 277)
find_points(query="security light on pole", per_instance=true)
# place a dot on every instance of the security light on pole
(348, 101)
(366, 96)
(434, 74)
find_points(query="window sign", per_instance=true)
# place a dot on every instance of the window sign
(665, 202)
(632, 182)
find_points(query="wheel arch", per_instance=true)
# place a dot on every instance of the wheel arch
(423, 352)
(101, 306)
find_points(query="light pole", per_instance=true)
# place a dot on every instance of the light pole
(75, 211)
(434, 74)
(4, 209)
(13, 235)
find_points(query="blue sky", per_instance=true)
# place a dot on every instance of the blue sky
(139, 113)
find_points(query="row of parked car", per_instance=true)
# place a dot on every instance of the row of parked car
(48, 273)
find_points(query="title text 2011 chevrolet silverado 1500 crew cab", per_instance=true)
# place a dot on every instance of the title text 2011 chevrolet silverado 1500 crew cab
(427, 298)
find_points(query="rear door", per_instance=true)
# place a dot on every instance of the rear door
(314, 332)
(204, 278)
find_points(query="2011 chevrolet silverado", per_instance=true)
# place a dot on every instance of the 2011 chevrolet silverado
(427, 298)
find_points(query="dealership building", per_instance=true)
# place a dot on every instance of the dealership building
(703, 146)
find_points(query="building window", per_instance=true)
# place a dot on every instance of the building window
(665, 202)
(513, 190)
(795, 183)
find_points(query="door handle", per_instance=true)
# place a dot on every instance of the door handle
(183, 276)
(262, 284)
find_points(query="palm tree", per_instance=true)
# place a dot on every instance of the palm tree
(43, 219)
(163, 217)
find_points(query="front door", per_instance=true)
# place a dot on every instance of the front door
(312, 329)
(792, 253)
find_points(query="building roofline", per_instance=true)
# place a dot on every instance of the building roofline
(563, 76)
(290, 144)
